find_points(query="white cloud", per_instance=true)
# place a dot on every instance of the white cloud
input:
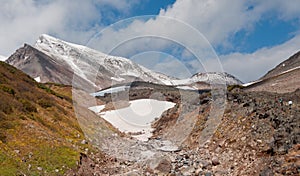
(217, 21)
(285, 10)
(252, 66)
(24, 20)
(2, 58)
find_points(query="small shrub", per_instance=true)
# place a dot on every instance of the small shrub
(6, 125)
(56, 117)
(5, 107)
(8, 67)
(22, 117)
(44, 87)
(27, 106)
(7, 89)
(2, 136)
(231, 87)
(45, 103)
(47, 89)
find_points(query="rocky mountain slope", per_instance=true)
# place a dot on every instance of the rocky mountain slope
(256, 135)
(39, 65)
(92, 68)
(282, 79)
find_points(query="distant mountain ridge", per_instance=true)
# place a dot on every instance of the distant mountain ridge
(291, 63)
(281, 79)
(54, 60)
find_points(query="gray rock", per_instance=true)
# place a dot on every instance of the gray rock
(204, 164)
(164, 166)
(208, 174)
(215, 161)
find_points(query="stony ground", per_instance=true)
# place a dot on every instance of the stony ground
(257, 135)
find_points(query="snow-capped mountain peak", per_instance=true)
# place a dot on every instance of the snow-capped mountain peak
(215, 77)
(93, 68)
(86, 62)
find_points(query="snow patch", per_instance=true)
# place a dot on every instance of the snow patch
(130, 73)
(117, 79)
(37, 79)
(250, 83)
(110, 90)
(137, 117)
(185, 88)
(292, 69)
(97, 109)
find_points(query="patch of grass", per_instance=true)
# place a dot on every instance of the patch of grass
(51, 158)
(231, 87)
(45, 103)
(8, 67)
(9, 166)
(47, 89)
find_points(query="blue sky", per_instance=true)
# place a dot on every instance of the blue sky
(267, 32)
(249, 37)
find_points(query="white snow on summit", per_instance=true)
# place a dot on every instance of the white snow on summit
(86, 62)
(102, 70)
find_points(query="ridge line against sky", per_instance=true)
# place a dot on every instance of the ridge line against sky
(250, 37)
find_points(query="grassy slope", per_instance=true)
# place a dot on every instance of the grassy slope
(38, 127)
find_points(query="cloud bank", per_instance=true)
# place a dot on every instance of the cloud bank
(218, 21)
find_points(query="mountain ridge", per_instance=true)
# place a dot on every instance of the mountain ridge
(290, 63)
(98, 69)
(281, 79)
